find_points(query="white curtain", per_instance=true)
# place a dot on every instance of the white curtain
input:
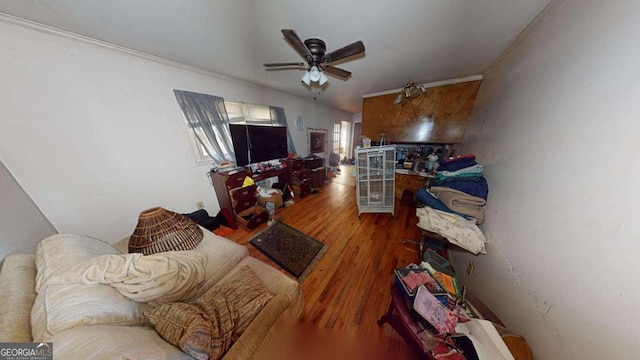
(278, 118)
(207, 117)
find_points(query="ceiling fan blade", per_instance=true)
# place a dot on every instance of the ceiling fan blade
(284, 64)
(295, 41)
(349, 50)
(336, 71)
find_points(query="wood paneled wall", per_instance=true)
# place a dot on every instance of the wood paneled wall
(409, 182)
(439, 116)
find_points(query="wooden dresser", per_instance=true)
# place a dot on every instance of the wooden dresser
(298, 176)
(240, 201)
(318, 175)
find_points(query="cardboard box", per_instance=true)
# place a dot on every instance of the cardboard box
(275, 197)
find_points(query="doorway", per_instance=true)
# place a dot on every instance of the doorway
(341, 137)
(355, 139)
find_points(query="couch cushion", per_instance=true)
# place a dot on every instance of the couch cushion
(113, 342)
(230, 307)
(63, 306)
(275, 280)
(222, 255)
(278, 311)
(56, 252)
(60, 307)
(17, 284)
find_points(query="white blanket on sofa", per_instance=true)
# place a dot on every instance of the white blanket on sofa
(159, 278)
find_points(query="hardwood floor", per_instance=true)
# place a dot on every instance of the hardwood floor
(349, 290)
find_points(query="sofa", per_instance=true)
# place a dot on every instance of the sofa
(94, 321)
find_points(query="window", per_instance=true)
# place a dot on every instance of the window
(249, 114)
(336, 138)
(238, 113)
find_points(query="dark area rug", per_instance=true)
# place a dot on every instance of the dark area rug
(294, 251)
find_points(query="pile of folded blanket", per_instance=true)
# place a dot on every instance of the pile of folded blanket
(459, 187)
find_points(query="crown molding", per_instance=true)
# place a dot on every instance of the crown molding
(36, 26)
(33, 25)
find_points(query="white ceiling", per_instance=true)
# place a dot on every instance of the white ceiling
(405, 40)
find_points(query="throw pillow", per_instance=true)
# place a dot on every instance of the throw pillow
(232, 306)
(185, 326)
(55, 253)
(229, 308)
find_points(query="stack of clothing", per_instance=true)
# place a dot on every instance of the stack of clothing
(459, 187)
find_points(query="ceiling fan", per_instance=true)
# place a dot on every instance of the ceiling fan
(313, 51)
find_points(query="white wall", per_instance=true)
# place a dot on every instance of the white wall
(94, 135)
(22, 224)
(556, 124)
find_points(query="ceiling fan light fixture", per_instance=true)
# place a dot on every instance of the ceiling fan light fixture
(413, 92)
(314, 73)
(306, 78)
(323, 79)
(313, 50)
(398, 99)
(410, 91)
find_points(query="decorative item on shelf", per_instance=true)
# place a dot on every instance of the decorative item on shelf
(432, 161)
(223, 167)
(384, 139)
(161, 230)
(365, 141)
(410, 91)
(261, 167)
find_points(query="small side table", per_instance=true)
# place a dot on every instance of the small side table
(398, 315)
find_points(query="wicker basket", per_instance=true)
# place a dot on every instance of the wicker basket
(161, 230)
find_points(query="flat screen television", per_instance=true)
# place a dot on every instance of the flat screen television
(253, 143)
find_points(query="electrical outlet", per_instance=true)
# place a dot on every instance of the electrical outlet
(200, 205)
(470, 268)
